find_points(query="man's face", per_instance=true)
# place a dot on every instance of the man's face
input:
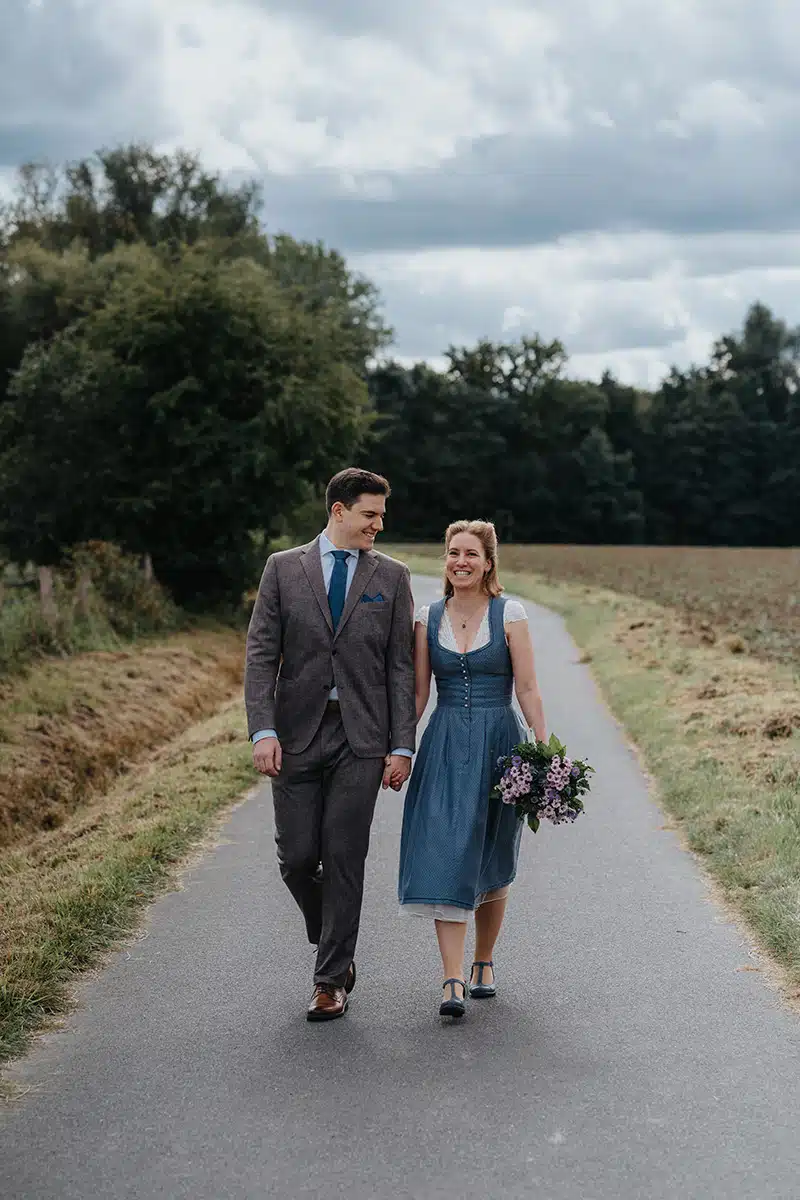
(357, 527)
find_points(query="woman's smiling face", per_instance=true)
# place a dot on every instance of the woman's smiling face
(466, 562)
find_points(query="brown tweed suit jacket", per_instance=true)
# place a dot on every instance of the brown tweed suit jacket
(294, 656)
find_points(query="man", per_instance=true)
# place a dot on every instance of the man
(329, 689)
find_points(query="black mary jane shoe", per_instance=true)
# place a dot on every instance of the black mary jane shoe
(479, 989)
(453, 1006)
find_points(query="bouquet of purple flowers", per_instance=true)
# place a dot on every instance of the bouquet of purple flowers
(542, 782)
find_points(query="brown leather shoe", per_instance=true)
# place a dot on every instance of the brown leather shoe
(327, 1003)
(350, 982)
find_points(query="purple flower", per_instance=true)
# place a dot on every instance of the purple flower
(539, 785)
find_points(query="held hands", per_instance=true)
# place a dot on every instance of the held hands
(397, 771)
(267, 757)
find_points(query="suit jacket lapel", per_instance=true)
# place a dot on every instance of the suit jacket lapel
(312, 565)
(367, 566)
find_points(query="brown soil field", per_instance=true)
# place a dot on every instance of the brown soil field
(70, 726)
(749, 595)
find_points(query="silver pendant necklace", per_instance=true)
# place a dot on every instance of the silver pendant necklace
(466, 620)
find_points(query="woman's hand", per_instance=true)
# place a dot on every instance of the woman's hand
(396, 772)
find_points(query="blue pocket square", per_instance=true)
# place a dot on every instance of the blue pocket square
(365, 599)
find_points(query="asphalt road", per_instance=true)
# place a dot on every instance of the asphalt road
(628, 1055)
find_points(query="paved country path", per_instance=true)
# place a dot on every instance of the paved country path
(627, 1055)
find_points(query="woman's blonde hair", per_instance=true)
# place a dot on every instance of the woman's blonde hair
(486, 534)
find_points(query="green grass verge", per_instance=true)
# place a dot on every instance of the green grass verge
(71, 894)
(704, 721)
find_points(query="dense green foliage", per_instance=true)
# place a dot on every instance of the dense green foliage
(503, 433)
(711, 458)
(176, 381)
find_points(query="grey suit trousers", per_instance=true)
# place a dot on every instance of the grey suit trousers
(324, 804)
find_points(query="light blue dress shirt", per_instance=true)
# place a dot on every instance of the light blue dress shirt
(326, 549)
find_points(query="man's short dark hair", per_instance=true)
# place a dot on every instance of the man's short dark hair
(348, 485)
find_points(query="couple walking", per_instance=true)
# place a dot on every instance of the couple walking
(338, 673)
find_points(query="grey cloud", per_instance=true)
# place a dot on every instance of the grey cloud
(427, 324)
(355, 17)
(189, 37)
(719, 197)
(520, 189)
(60, 89)
(64, 89)
(511, 191)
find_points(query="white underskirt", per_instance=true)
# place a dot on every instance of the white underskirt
(452, 912)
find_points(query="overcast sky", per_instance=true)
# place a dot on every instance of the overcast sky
(621, 174)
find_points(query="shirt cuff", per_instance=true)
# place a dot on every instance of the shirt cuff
(263, 733)
(404, 753)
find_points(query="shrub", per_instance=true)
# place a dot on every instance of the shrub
(101, 596)
(132, 603)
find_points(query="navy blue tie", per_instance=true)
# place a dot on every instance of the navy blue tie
(337, 588)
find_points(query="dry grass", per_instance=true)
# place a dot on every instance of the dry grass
(69, 894)
(69, 727)
(742, 711)
(718, 728)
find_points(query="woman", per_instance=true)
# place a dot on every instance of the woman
(459, 849)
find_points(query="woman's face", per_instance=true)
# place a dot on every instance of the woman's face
(465, 562)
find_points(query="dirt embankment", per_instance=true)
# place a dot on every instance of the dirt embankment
(69, 727)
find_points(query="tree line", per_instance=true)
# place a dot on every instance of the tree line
(712, 457)
(177, 380)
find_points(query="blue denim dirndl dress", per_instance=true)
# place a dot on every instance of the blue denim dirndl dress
(456, 843)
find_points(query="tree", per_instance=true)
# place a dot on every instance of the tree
(439, 445)
(760, 367)
(128, 194)
(719, 462)
(64, 219)
(502, 435)
(320, 280)
(61, 219)
(190, 407)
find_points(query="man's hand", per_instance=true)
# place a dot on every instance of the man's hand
(398, 769)
(267, 756)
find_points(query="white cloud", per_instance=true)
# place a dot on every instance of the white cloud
(637, 304)
(7, 181)
(290, 101)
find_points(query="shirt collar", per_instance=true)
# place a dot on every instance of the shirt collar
(326, 546)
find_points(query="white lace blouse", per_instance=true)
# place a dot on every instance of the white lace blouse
(512, 612)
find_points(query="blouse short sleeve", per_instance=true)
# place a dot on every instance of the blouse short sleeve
(514, 611)
(421, 616)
